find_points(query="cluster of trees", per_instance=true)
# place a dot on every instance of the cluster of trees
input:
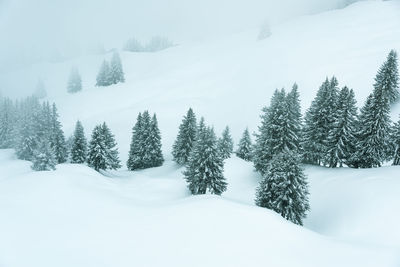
(110, 72)
(34, 131)
(156, 43)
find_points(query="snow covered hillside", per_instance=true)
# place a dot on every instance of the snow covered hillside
(75, 216)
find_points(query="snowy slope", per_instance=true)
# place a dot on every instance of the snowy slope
(77, 217)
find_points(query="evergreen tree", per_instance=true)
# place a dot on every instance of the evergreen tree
(44, 159)
(396, 143)
(154, 142)
(116, 74)
(387, 78)
(112, 159)
(57, 139)
(225, 144)
(103, 77)
(342, 137)
(74, 81)
(319, 120)
(294, 118)
(245, 147)
(373, 146)
(7, 123)
(204, 171)
(97, 156)
(79, 145)
(40, 91)
(144, 138)
(135, 152)
(186, 138)
(284, 188)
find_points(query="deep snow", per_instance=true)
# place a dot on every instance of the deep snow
(77, 217)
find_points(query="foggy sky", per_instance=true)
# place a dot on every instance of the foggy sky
(47, 29)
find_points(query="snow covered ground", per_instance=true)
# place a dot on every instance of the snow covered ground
(77, 217)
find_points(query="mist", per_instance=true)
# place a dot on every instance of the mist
(47, 30)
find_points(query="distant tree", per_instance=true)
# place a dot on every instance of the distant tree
(284, 188)
(74, 81)
(265, 31)
(245, 147)
(7, 123)
(341, 142)
(43, 158)
(186, 138)
(116, 74)
(40, 91)
(133, 45)
(158, 43)
(225, 144)
(79, 145)
(387, 78)
(396, 143)
(204, 171)
(103, 77)
(57, 139)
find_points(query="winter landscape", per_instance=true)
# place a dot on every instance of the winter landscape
(254, 133)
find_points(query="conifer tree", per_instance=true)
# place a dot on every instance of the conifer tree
(387, 78)
(225, 144)
(112, 159)
(97, 156)
(7, 123)
(79, 145)
(204, 171)
(135, 152)
(43, 158)
(245, 147)
(103, 77)
(284, 188)
(116, 74)
(186, 138)
(145, 141)
(319, 120)
(155, 152)
(396, 143)
(57, 139)
(341, 140)
(74, 81)
(294, 118)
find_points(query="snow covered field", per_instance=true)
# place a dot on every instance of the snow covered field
(78, 217)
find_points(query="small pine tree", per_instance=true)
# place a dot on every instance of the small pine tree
(186, 138)
(225, 144)
(97, 156)
(43, 159)
(103, 77)
(74, 81)
(79, 145)
(204, 171)
(387, 78)
(284, 188)
(245, 147)
(116, 74)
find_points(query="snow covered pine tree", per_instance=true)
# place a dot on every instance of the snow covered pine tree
(186, 138)
(245, 147)
(225, 144)
(79, 145)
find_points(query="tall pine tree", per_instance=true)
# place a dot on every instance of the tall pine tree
(387, 78)
(79, 145)
(186, 138)
(135, 152)
(103, 76)
(57, 139)
(116, 74)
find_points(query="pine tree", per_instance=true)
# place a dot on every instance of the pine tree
(387, 78)
(44, 159)
(204, 171)
(97, 156)
(284, 188)
(116, 73)
(112, 159)
(103, 77)
(396, 143)
(40, 91)
(245, 147)
(373, 146)
(79, 145)
(319, 120)
(225, 144)
(186, 138)
(74, 81)
(294, 119)
(155, 152)
(57, 139)
(145, 146)
(342, 137)
(7, 123)
(135, 152)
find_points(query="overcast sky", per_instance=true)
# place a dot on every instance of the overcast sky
(39, 29)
